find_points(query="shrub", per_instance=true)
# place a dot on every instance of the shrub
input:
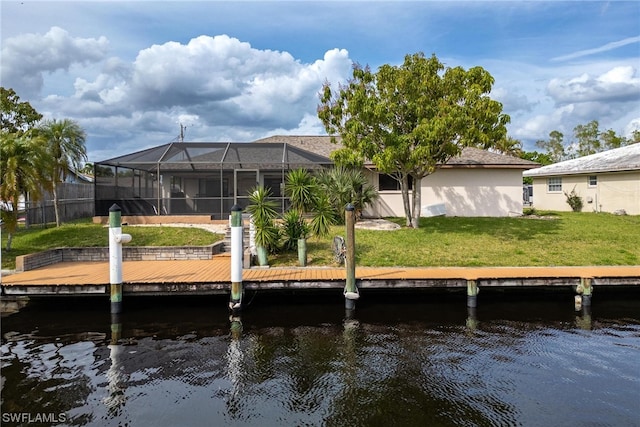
(574, 200)
(294, 227)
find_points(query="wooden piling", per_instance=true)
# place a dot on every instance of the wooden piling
(587, 291)
(235, 304)
(472, 293)
(351, 293)
(116, 239)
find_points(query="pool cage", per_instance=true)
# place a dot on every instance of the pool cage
(197, 178)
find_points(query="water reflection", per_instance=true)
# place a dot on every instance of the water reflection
(116, 376)
(429, 362)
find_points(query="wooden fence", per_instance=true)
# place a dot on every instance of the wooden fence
(74, 201)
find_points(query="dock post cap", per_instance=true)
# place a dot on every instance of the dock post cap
(349, 207)
(115, 208)
(236, 208)
(352, 295)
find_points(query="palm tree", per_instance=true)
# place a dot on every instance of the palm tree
(301, 188)
(21, 164)
(263, 212)
(346, 185)
(509, 146)
(307, 197)
(65, 143)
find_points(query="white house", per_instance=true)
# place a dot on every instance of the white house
(209, 178)
(476, 183)
(606, 182)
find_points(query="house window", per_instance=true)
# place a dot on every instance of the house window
(554, 185)
(389, 183)
(593, 180)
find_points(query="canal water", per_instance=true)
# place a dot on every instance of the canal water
(301, 360)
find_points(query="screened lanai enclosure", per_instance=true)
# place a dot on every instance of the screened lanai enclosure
(203, 178)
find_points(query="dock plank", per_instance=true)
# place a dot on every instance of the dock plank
(212, 275)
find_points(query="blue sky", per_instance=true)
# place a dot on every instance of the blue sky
(129, 72)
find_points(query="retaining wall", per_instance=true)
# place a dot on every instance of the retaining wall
(129, 253)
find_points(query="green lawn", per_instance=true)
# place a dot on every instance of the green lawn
(565, 238)
(84, 233)
(560, 239)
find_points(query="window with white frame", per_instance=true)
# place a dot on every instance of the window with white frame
(554, 185)
(593, 180)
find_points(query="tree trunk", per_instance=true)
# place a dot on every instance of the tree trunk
(55, 203)
(404, 189)
(417, 201)
(10, 221)
(9, 240)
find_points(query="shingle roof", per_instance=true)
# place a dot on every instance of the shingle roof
(469, 158)
(321, 145)
(475, 157)
(616, 160)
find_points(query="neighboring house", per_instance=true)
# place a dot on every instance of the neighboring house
(606, 182)
(209, 178)
(77, 177)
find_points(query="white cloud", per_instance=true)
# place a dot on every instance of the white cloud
(219, 87)
(225, 81)
(25, 58)
(605, 48)
(539, 126)
(619, 84)
(512, 100)
(633, 125)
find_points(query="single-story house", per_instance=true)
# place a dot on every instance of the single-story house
(210, 177)
(476, 183)
(606, 182)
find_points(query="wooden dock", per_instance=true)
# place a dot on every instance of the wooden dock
(206, 277)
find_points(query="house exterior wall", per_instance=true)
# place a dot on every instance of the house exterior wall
(468, 192)
(613, 191)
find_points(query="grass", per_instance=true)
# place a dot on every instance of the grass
(549, 239)
(84, 233)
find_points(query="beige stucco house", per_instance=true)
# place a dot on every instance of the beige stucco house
(477, 183)
(181, 178)
(606, 182)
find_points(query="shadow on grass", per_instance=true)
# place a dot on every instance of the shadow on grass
(520, 228)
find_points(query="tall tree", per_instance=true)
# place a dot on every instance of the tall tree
(587, 139)
(16, 116)
(509, 146)
(22, 157)
(409, 119)
(535, 156)
(65, 141)
(554, 146)
(609, 140)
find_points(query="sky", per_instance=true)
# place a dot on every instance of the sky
(130, 73)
